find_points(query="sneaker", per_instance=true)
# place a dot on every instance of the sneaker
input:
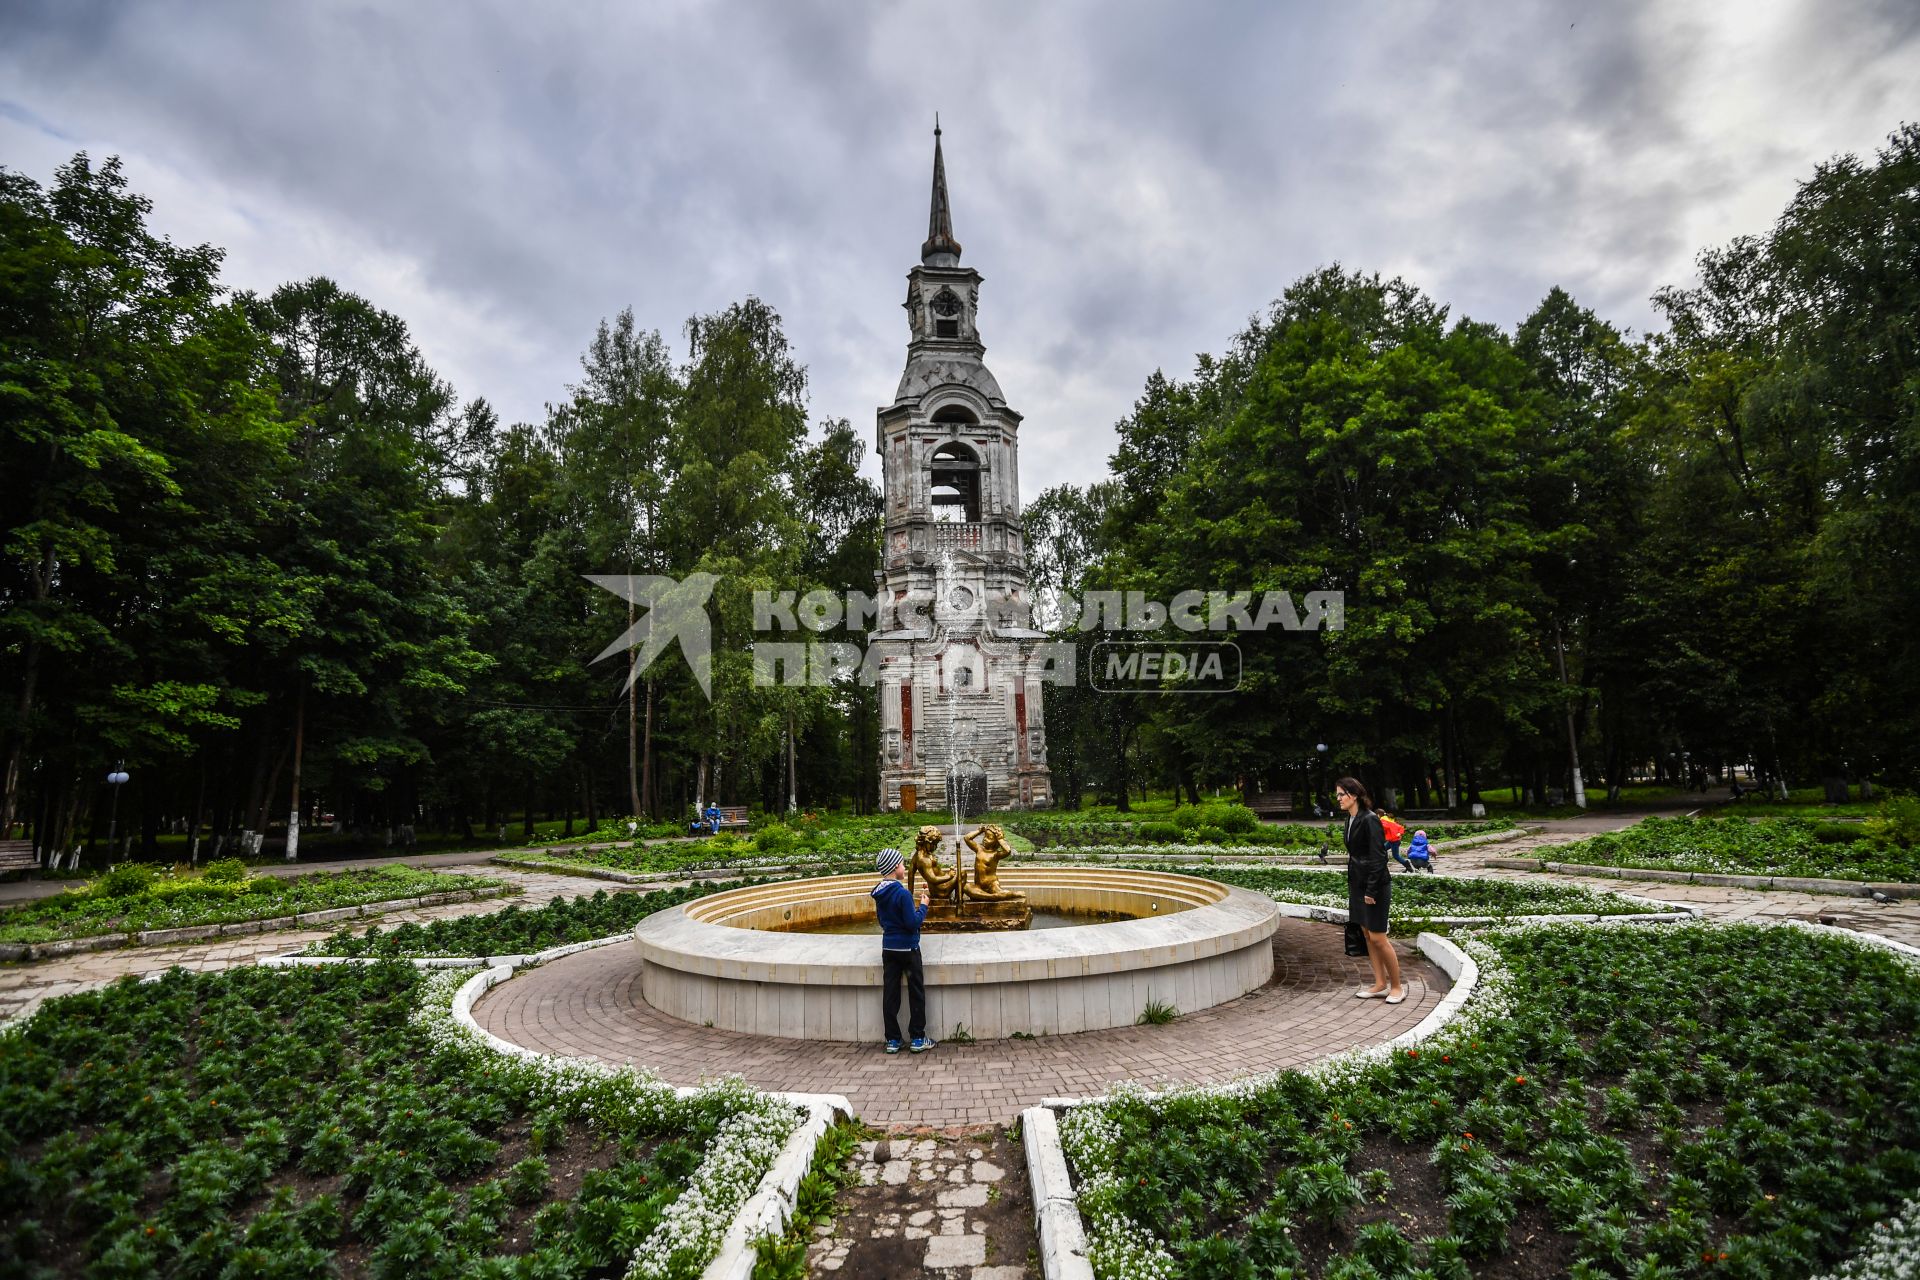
(893, 1046)
(920, 1045)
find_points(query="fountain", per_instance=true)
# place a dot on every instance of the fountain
(777, 959)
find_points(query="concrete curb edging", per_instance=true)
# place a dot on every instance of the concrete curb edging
(239, 928)
(1712, 879)
(1057, 1228)
(767, 1210)
(1057, 1224)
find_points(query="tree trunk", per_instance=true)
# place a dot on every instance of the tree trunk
(299, 748)
(649, 802)
(258, 820)
(633, 727)
(199, 812)
(793, 766)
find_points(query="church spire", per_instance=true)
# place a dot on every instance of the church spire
(941, 249)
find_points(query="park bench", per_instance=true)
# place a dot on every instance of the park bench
(733, 817)
(17, 855)
(1272, 806)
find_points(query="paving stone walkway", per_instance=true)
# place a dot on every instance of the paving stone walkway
(589, 1005)
(954, 1206)
(24, 985)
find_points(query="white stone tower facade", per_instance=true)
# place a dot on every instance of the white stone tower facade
(960, 700)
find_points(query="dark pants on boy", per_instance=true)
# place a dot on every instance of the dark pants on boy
(899, 964)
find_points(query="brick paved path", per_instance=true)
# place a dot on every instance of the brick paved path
(589, 1005)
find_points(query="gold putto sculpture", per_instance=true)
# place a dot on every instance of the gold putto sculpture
(989, 845)
(926, 865)
(963, 904)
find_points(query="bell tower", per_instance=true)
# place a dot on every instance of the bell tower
(960, 695)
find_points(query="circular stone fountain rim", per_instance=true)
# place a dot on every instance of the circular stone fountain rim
(1238, 918)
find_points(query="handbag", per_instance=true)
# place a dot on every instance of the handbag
(1356, 942)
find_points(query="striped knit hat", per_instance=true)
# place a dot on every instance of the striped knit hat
(886, 860)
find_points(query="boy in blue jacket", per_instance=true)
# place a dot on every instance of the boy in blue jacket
(900, 911)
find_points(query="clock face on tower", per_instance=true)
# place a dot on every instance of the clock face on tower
(946, 303)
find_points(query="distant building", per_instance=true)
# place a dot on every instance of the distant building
(957, 696)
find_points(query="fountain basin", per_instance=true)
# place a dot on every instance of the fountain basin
(741, 961)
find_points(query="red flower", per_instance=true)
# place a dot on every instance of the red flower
(1519, 1079)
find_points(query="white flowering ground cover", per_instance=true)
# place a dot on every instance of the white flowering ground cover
(1648, 1104)
(337, 1120)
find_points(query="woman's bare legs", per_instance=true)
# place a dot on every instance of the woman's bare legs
(1385, 961)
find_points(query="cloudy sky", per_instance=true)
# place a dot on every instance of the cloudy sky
(1132, 179)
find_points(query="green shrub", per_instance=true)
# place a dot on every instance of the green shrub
(1160, 832)
(1187, 817)
(774, 840)
(1897, 826)
(1235, 819)
(225, 871)
(1210, 834)
(128, 880)
(1836, 832)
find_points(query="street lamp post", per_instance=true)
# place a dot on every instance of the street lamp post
(116, 778)
(1321, 748)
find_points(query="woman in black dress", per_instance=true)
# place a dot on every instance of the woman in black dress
(1367, 888)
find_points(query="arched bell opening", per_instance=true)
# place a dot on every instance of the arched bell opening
(954, 483)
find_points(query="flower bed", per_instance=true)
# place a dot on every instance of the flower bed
(777, 846)
(515, 930)
(1678, 1102)
(119, 903)
(1421, 897)
(1199, 829)
(336, 1120)
(1798, 847)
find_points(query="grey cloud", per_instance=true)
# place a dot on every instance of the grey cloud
(1133, 179)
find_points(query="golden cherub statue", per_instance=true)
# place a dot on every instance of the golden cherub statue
(989, 845)
(926, 862)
